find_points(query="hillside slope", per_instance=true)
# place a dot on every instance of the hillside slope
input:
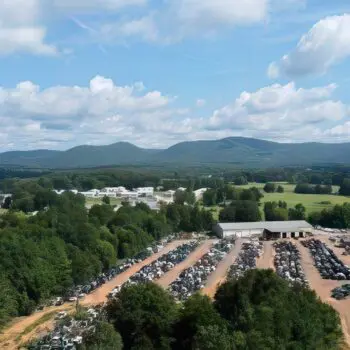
(233, 150)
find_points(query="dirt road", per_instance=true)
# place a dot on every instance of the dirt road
(219, 275)
(174, 273)
(9, 335)
(266, 260)
(323, 289)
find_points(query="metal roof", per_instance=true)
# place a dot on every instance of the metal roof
(273, 226)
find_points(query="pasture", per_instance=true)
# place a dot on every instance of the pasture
(312, 202)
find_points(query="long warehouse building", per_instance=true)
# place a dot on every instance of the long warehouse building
(265, 229)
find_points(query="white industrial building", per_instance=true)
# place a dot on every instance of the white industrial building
(264, 229)
(144, 191)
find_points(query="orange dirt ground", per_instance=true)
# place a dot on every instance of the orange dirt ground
(266, 260)
(219, 275)
(174, 273)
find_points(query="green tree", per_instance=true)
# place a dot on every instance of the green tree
(280, 189)
(198, 314)
(297, 213)
(143, 312)
(266, 313)
(270, 187)
(106, 200)
(210, 197)
(179, 197)
(213, 337)
(344, 189)
(240, 180)
(103, 338)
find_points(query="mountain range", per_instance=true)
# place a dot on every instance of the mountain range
(238, 151)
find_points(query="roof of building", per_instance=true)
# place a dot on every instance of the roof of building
(273, 226)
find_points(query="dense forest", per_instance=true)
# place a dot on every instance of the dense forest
(64, 244)
(257, 311)
(171, 177)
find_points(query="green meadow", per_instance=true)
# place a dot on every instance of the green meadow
(312, 202)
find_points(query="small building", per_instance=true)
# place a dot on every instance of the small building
(144, 191)
(265, 229)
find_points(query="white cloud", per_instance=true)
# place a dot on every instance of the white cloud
(278, 109)
(20, 30)
(92, 5)
(143, 28)
(213, 12)
(103, 112)
(326, 44)
(201, 102)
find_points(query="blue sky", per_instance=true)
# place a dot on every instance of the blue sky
(157, 72)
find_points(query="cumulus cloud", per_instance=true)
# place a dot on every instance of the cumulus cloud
(20, 29)
(326, 44)
(279, 110)
(103, 112)
(213, 12)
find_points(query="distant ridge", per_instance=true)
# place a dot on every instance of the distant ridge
(232, 150)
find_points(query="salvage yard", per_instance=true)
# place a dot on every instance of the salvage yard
(169, 277)
(219, 275)
(184, 268)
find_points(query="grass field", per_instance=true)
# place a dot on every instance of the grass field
(312, 202)
(92, 201)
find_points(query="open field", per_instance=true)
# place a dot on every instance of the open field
(91, 201)
(312, 202)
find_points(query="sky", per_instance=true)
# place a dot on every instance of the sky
(158, 72)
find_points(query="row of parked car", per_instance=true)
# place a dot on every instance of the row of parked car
(326, 261)
(194, 278)
(287, 262)
(159, 267)
(246, 259)
(79, 291)
(68, 333)
(342, 292)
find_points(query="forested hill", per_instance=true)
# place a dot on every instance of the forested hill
(234, 150)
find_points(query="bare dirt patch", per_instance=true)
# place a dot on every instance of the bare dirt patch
(174, 273)
(218, 276)
(266, 260)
